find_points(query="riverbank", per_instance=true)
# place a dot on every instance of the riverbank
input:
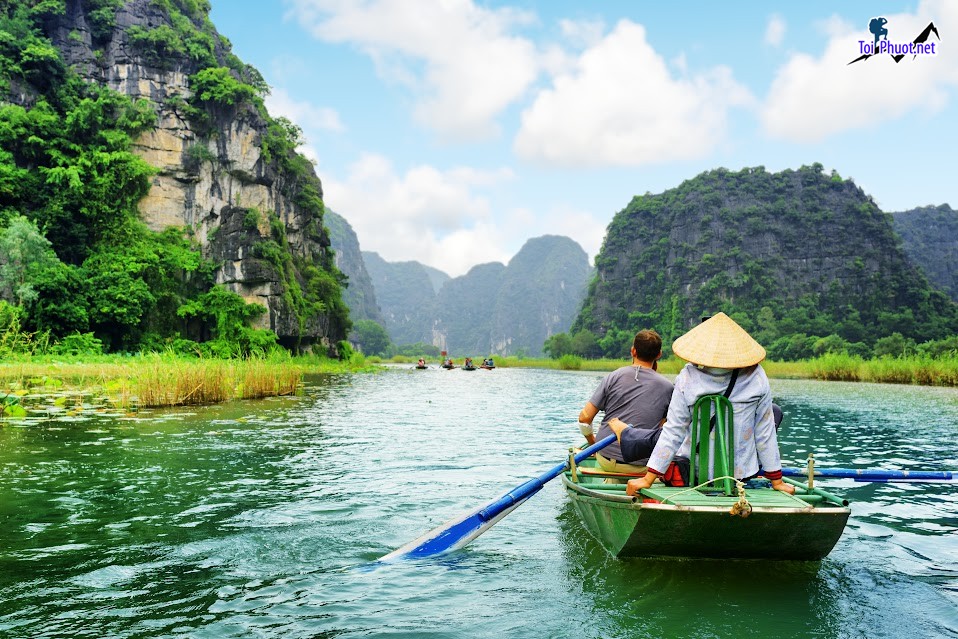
(152, 380)
(923, 371)
(51, 384)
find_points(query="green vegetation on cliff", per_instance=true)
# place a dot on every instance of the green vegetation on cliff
(803, 260)
(75, 258)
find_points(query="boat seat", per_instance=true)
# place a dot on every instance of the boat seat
(598, 472)
(712, 414)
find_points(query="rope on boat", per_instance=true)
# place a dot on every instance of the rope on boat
(741, 508)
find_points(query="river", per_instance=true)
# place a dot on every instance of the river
(260, 519)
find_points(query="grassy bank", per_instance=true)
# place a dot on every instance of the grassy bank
(923, 371)
(155, 380)
(902, 370)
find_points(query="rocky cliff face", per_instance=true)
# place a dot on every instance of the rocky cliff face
(540, 294)
(465, 308)
(930, 239)
(360, 296)
(213, 176)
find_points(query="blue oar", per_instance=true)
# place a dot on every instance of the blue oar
(877, 475)
(458, 532)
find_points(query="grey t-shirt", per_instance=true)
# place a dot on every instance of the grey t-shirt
(636, 395)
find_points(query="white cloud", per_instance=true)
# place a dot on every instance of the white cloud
(311, 119)
(582, 33)
(775, 31)
(582, 226)
(619, 105)
(303, 114)
(287, 69)
(812, 98)
(464, 65)
(428, 215)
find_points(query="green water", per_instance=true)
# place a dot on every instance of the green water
(256, 520)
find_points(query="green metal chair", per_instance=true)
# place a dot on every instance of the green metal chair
(707, 408)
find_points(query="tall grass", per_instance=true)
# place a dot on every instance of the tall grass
(889, 370)
(837, 367)
(156, 380)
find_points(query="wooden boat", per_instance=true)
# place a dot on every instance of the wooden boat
(422, 368)
(468, 368)
(448, 366)
(724, 519)
(689, 522)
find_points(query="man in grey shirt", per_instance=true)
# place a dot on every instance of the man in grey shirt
(636, 395)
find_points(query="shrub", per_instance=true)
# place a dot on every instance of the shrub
(78, 344)
(217, 86)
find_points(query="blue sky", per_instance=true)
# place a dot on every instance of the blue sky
(452, 131)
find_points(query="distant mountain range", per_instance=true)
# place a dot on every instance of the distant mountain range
(494, 309)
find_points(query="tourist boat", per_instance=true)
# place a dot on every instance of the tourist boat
(758, 523)
(469, 368)
(421, 367)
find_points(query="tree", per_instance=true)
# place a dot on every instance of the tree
(228, 316)
(557, 345)
(585, 344)
(895, 345)
(371, 337)
(24, 255)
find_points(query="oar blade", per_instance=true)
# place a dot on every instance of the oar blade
(458, 532)
(452, 535)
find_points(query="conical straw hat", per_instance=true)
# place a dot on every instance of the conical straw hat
(719, 342)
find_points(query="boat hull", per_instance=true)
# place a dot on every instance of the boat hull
(631, 528)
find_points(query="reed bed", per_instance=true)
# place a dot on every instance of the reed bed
(887, 370)
(158, 381)
(837, 367)
(182, 383)
(262, 379)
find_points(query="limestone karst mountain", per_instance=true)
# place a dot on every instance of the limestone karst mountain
(795, 253)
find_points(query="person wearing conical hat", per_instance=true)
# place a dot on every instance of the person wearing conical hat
(715, 350)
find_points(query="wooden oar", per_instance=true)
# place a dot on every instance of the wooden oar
(458, 532)
(876, 475)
